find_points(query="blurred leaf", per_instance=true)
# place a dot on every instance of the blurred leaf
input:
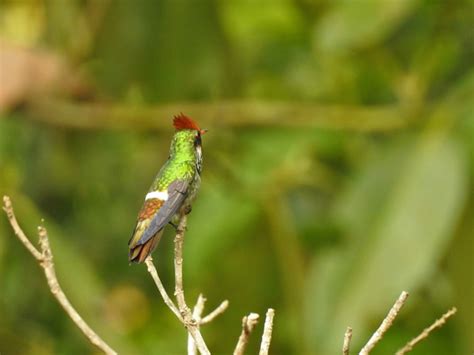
(399, 247)
(352, 24)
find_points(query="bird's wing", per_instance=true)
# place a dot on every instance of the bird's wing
(177, 193)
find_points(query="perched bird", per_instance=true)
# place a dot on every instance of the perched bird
(172, 191)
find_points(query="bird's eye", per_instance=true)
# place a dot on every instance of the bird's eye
(197, 139)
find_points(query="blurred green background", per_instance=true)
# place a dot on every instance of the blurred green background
(338, 168)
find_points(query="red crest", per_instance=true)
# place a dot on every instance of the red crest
(181, 122)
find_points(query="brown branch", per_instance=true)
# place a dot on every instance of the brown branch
(347, 341)
(154, 274)
(45, 260)
(231, 113)
(193, 320)
(248, 323)
(267, 332)
(386, 324)
(426, 332)
(191, 325)
(197, 314)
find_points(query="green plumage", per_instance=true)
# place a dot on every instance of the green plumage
(181, 163)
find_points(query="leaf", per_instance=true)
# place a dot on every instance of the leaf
(399, 248)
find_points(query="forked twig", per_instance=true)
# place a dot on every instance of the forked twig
(197, 314)
(191, 325)
(45, 260)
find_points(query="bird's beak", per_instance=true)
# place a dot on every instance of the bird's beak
(203, 131)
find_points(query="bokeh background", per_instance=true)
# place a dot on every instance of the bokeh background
(338, 168)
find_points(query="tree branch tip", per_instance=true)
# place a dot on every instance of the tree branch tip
(7, 204)
(267, 332)
(253, 317)
(386, 324)
(270, 311)
(427, 331)
(216, 312)
(347, 341)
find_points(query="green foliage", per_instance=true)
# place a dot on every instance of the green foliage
(326, 220)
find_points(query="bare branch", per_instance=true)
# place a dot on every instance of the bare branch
(347, 341)
(248, 323)
(154, 274)
(386, 324)
(45, 260)
(197, 313)
(218, 311)
(191, 325)
(232, 113)
(267, 332)
(426, 332)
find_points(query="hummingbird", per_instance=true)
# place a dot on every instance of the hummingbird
(172, 191)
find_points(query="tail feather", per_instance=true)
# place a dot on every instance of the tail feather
(138, 253)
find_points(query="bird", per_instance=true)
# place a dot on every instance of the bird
(172, 191)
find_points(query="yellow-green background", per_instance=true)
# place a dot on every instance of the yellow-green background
(338, 169)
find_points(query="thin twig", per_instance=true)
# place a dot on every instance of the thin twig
(8, 208)
(347, 341)
(219, 310)
(191, 325)
(45, 259)
(248, 323)
(386, 324)
(426, 332)
(154, 274)
(267, 332)
(197, 314)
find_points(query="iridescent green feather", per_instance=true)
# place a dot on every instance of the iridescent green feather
(181, 164)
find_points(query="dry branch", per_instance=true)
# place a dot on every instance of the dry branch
(191, 325)
(154, 274)
(191, 321)
(197, 314)
(386, 324)
(45, 260)
(218, 311)
(267, 332)
(346, 347)
(427, 331)
(248, 323)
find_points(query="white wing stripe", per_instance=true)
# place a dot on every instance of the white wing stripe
(162, 195)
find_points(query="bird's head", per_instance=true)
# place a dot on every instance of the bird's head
(188, 134)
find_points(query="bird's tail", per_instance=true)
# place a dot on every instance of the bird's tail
(138, 253)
